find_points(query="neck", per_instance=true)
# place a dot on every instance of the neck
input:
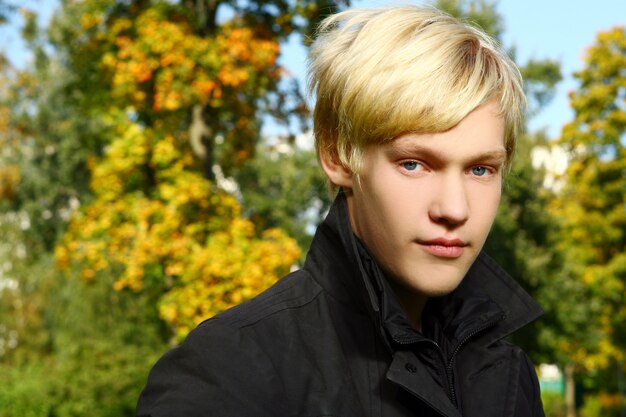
(412, 304)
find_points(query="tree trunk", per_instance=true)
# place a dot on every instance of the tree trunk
(570, 391)
(621, 389)
(201, 140)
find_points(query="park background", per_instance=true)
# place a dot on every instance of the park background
(156, 168)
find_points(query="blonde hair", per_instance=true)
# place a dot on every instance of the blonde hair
(379, 73)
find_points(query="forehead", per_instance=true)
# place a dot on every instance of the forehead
(481, 131)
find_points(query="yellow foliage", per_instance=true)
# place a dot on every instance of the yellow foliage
(167, 65)
(90, 20)
(9, 179)
(591, 206)
(155, 222)
(232, 267)
(171, 231)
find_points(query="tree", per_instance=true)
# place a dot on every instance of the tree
(114, 135)
(591, 208)
(49, 137)
(157, 78)
(81, 347)
(182, 78)
(170, 232)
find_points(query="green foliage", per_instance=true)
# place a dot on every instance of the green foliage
(48, 138)
(84, 349)
(603, 405)
(286, 190)
(26, 391)
(591, 207)
(24, 284)
(553, 404)
(540, 80)
(102, 345)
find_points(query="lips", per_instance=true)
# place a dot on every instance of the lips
(444, 248)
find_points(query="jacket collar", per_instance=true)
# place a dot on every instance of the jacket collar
(488, 304)
(334, 262)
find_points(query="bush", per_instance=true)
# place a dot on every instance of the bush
(603, 405)
(25, 391)
(553, 404)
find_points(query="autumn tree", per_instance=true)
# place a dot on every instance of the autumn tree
(172, 83)
(191, 78)
(119, 128)
(171, 232)
(591, 209)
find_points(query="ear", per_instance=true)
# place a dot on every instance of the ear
(338, 173)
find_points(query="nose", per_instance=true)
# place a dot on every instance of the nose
(450, 204)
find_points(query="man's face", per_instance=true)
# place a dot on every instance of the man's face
(423, 204)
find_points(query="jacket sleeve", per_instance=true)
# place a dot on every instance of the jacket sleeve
(217, 371)
(530, 386)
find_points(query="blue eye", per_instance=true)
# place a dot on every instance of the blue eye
(410, 165)
(480, 171)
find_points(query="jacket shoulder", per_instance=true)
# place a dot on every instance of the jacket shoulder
(294, 291)
(209, 373)
(526, 383)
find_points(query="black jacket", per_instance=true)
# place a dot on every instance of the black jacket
(331, 340)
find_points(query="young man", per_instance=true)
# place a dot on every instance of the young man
(396, 311)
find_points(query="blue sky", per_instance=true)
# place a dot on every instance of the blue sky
(561, 30)
(558, 29)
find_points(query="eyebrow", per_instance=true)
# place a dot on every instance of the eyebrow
(498, 155)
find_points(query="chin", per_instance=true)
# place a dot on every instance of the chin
(431, 289)
(439, 291)
(445, 280)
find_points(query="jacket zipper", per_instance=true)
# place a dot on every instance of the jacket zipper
(450, 366)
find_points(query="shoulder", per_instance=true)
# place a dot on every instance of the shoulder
(222, 373)
(529, 385)
(211, 369)
(293, 292)
(235, 329)
(526, 385)
(504, 371)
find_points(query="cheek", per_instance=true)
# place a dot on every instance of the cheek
(384, 204)
(485, 204)
(396, 200)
